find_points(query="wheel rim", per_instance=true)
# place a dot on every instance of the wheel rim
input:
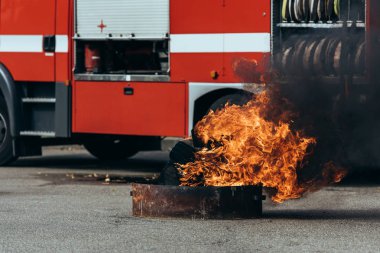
(3, 130)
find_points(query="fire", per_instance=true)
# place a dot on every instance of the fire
(254, 144)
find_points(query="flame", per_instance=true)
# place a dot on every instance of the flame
(244, 147)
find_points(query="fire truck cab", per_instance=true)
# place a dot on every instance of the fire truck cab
(120, 75)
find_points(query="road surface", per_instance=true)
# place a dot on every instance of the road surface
(62, 203)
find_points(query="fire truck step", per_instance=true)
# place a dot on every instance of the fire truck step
(39, 100)
(38, 133)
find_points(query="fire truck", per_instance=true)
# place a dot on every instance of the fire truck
(120, 75)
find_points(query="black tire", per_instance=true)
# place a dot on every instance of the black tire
(6, 144)
(110, 148)
(182, 153)
(233, 99)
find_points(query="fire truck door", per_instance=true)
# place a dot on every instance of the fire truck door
(196, 39)
(246, 28)
(28, 41)
(247, 16)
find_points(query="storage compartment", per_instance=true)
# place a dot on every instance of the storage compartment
(116, 38)
(324, 39)
(141, 19)
(151, 109)
(125, 57)
(323, 53)
(322, 11)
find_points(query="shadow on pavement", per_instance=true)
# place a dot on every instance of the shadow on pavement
(370, 214)
(143, 161)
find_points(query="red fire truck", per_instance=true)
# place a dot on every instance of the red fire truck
(119, 75)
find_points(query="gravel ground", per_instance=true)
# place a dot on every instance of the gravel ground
(44, 213)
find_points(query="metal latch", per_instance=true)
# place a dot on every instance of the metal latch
(49, 43)
(129, 91)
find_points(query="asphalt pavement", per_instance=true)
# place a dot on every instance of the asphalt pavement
(68, 201)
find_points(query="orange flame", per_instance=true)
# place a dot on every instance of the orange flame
(245, 148)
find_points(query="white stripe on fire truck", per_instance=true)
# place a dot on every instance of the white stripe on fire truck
(30, 43)
(219, 43)
(21, 43)
(62, 44)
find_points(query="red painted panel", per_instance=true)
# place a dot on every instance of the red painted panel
(155, 109)
(63, 68)
(63, 27)
(215, 16)
(220, 16)
(195, 67)
(29, 66)
(31, 17)
(198, 67)
(247, 16)
(196, 16)
(63, 14)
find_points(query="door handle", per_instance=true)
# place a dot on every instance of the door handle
(49, 43)
(128, 91)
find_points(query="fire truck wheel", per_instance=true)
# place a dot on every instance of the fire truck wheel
(110, 149)
(233, 99)
(6, 149)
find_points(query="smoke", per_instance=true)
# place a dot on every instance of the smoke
(340, 108)
(330, 80)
